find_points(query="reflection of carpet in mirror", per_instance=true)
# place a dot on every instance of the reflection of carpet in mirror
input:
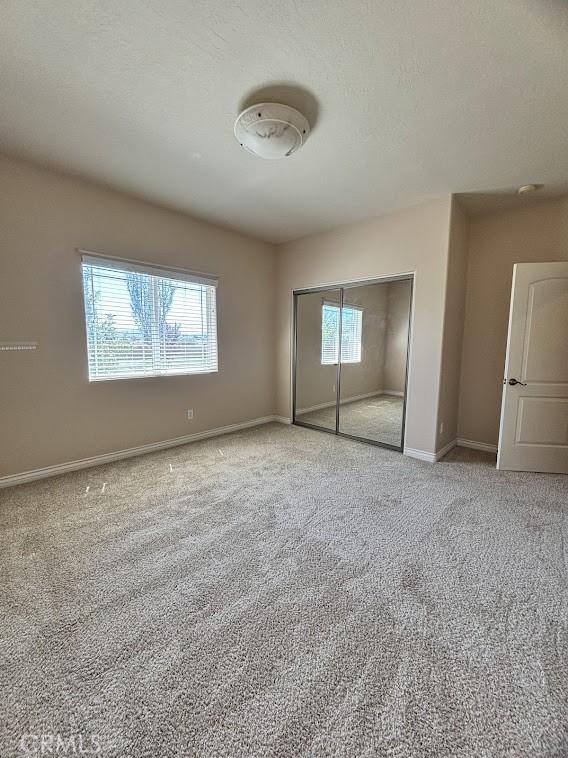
(377, 418)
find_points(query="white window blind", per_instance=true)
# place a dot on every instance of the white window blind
(145, 321)
(351, 330)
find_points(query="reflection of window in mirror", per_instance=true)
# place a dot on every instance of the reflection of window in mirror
(351, 329)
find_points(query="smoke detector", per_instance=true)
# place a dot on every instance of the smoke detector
(271, 130)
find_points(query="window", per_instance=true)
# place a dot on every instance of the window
(351, 327)
(145, 321)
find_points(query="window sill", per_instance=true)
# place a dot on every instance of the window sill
(158, 375)
(323, 363)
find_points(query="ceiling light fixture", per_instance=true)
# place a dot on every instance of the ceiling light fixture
(526, 188)
(271, 130)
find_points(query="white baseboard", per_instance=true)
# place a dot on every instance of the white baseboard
(421, 455)
(446, 449)
(396, 393)
(424, 455)
(98, 460)
(484, 446)
(344, 400)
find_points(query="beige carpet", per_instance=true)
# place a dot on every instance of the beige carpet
(282, 592)
(376, 418)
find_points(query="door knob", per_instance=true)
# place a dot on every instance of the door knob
(512, 382)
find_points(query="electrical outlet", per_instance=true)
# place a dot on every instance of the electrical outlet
(189, 414)
(441, 427)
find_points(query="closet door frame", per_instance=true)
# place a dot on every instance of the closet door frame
(341, 287)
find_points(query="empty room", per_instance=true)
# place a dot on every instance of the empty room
(284, 379)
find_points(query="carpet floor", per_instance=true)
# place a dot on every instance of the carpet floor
(282, 592)
(377, 418)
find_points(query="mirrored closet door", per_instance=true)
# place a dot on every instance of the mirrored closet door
(350, 363)
(316, 368)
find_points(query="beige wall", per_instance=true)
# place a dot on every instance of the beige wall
(456, 282)
(413, 240)
(49, 413)
(54, 415)
(396, 335)
(534, 233)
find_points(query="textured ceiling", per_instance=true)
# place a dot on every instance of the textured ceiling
(408, 98)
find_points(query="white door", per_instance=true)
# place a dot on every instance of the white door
(534, 411)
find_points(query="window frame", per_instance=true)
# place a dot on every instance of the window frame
(128, 265)
(338, 348)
